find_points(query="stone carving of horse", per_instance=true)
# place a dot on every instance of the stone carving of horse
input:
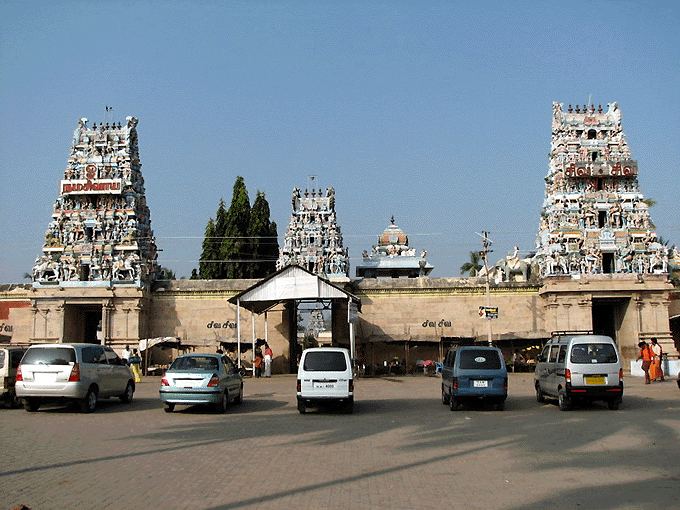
(512, 267)
(46, 270)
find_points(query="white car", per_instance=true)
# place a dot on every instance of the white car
(82, 373)
(325, 377)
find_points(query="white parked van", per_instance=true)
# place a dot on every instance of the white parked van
(578, 367)
(325, 376)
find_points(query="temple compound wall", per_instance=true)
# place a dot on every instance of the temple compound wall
(405, 318)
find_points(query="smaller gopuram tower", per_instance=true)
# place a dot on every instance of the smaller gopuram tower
(392, 257)
(594, 219)
(314, 239)
(100, 233)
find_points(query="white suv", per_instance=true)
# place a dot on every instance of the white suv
(82, 373)
(325, 376)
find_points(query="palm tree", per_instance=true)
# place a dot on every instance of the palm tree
(473, 266)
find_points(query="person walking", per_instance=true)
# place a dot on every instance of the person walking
(518, 361)
(655, 371)
(646, 357)
(126, 354)
(258, 363)
(267, 360)
(135, 363)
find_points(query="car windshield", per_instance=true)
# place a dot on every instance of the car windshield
(199, 363)
(587, 354)
(325, 362)
(49, 356)
(485, 359)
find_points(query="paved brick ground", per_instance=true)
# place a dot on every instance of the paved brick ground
(400, 449)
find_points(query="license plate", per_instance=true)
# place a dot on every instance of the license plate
(42, 377)
(595, 379)
(480, 384)
(324, 385)
(187, 383)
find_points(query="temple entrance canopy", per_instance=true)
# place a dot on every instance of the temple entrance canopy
(290, 286)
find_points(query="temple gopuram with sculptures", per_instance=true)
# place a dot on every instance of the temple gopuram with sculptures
(598, 265)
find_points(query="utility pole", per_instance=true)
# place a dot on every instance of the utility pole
(486, 244)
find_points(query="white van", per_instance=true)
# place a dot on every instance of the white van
(325, 376)
(577, 368)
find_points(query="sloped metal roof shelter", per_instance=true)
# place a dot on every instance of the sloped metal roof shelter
(292, 283)
(287, 284)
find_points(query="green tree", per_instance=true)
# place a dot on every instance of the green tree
(264, 247)
(207, 265)
(235, 247)
(220, 222)
(165, 273)
(473, 266)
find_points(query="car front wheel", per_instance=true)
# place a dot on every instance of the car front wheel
(540, 397)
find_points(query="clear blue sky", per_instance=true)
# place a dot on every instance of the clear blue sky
(435, 112)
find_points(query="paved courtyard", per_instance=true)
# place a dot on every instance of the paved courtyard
(401, 449)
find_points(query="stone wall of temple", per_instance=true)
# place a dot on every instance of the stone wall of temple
(432, 308)
(199, 314)
(423, 309)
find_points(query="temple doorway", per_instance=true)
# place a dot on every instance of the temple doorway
(82, 323)
(608, 314)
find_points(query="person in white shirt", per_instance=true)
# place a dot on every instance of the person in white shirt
(126, 354)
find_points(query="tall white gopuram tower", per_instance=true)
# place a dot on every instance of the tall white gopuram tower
(100, 233)
(594, 217)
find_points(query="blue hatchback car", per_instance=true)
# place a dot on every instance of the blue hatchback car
(474, 372)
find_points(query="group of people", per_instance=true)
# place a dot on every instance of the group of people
(134, 361)
(651, 360)
(263, 360)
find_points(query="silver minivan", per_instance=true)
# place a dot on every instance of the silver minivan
(83, 373)
(325, 377)
(579, 368)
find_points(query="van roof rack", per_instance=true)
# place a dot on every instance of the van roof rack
(572, 332)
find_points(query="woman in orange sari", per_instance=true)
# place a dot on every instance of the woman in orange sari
(655, 370)
(646, 357)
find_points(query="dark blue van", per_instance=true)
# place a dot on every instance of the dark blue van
(474, 372)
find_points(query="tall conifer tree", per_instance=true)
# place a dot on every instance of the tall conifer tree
(221, 220)
(207, 267)
(235, 248)
(264, 248)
